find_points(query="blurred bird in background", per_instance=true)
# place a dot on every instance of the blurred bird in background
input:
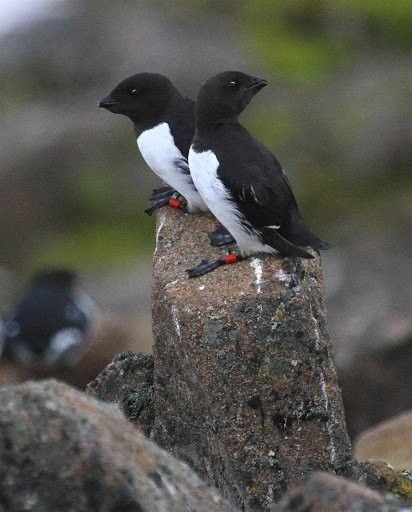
(2, 336)
(49, 325)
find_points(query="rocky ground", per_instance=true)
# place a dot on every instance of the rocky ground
(241, 387)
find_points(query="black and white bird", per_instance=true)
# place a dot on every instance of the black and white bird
(2, 336)
(164, 124)
(240, 179)
(49, 325)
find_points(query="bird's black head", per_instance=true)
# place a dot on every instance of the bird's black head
(55, 276)
(141, 97)
(226, 95)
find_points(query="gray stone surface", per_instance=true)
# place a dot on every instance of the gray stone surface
(323, 492)
(245, 385)
(62, 450)
(381, 477)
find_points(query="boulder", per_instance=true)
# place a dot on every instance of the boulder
(323, 492)
(245, 385)
(128, 381)
(381, 477)
(389, 441)
(63, 450)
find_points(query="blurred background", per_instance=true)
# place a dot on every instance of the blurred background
(73, 185)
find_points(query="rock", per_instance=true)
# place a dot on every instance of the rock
(377, 385)
(128, 381)
(323, 492)
(245, 385)
(63, 450)
(381, 477)
(389, 441)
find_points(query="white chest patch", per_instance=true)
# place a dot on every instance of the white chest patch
(66, 342)
(159, 151)
(203, 168)
(63, 340)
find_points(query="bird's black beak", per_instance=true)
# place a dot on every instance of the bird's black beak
(257, 84)
(107, 102)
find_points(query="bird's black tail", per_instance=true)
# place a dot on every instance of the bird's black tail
(283, 246)
(298, 233)
(322, 245)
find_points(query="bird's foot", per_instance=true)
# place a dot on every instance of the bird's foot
(206, 266)
(156, 205)
(162, 193)
(220, 236)
(174, 201)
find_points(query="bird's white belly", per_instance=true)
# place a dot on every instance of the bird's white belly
(203, 168)
(165, 159)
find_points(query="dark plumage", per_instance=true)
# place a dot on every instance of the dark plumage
(48, 325)
(164, 124)
(240, 179)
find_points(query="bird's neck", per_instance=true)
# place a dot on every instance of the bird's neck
(141, 126)
(211, 124)
(158, 116)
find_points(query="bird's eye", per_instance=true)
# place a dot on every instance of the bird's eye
(233, 84)
(134, 91)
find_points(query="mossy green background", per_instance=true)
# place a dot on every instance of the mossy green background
(302, 47)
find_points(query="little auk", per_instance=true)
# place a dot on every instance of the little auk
(241, 180)
(164, 124)
(49, 324)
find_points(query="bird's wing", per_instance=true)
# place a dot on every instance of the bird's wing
(264, 199)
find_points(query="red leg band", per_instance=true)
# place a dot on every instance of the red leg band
(230, 258)
(174, 202)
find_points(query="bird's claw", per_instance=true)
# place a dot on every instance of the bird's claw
(220, 236)
(175, 200)
(156, 205)
(204, 267)
(162, 193)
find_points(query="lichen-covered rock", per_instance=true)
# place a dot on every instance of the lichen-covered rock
(245, 385)
(381, 477)
(128, 381)
(389, 441)
(323, 492)
(63, 450)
